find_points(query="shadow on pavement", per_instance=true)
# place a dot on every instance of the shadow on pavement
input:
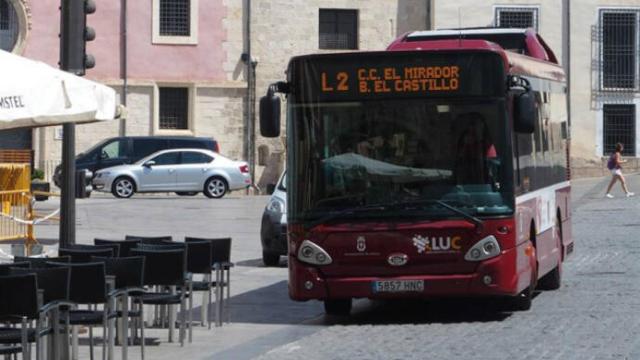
(271, 305)
(443, 311)
(42, 241)
(259, 263)
(268, 305)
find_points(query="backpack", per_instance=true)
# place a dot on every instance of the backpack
(611, 163)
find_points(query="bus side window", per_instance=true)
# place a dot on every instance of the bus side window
(537, 133)
(525, 155)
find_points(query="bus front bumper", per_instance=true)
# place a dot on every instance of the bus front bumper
(493, 277)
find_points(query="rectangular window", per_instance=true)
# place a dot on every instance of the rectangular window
(516, 17)
(619, 127)
(174, 108)
(175, 22)
(338, 29)
(175, 18)
(619, 31)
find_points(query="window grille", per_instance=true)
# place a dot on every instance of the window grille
(618, 38)
(4, 15)
(175, 17)
(9, 27)
(516, 17)
(338, 29)
(619, 127)
(174, 108)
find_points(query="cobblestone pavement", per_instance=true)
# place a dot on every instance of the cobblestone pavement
(595, 315)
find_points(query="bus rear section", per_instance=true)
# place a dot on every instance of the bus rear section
(402, 176)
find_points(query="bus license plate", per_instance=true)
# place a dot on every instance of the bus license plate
(398, 286)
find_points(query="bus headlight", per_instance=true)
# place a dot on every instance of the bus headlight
(483, 249)
(310, 253)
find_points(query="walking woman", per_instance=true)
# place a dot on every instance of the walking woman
(616, 171)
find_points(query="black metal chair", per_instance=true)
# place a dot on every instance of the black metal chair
(149, 239)
(41, 262)
(5, 269)
(200, 261)
(124, 245)
(8, 350)
(114, 247)
(19, 304)
(85, 255)
(166, 268)
(129, 281)
(221, 258)
(54, 284)
(89, 287)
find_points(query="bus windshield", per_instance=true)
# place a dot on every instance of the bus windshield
(395, 151)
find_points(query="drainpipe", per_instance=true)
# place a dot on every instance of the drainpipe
(567, 57)
(429, 6)
(249, 134)
(123, 64)
(566, 54)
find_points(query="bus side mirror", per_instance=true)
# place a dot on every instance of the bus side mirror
(270, 115)
(525, 112)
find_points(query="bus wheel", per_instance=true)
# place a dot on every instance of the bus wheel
(522, 301)
(337, 307)
(553, 280)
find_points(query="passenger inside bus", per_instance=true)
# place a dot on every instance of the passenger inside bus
(475, 151)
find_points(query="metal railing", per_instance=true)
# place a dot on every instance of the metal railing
(15, 214)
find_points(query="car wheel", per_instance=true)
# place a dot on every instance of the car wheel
(270, 259)
(123, 187)
(186, 193)
(215, 187)
(337, 307)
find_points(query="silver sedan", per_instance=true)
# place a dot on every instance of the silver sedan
(184, 171)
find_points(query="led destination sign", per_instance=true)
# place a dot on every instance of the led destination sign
(354, 76)
(391, 79)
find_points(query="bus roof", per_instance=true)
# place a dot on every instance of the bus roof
(520, 40)
(515, 62)
(463, 32)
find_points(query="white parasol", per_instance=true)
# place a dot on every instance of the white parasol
(35, 94)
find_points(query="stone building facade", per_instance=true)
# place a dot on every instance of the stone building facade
(174, 64)
(283, 29)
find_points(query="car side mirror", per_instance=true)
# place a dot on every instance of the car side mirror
(149, 163)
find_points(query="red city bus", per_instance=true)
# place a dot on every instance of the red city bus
(436, 168)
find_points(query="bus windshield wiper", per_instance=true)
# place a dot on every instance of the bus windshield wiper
(479, 224)
(347, 211)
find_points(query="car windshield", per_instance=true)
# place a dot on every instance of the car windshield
(282, 185)
(420, 151)
(93, 148)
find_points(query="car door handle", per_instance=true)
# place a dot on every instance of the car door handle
(171, 171)
(204, 170)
